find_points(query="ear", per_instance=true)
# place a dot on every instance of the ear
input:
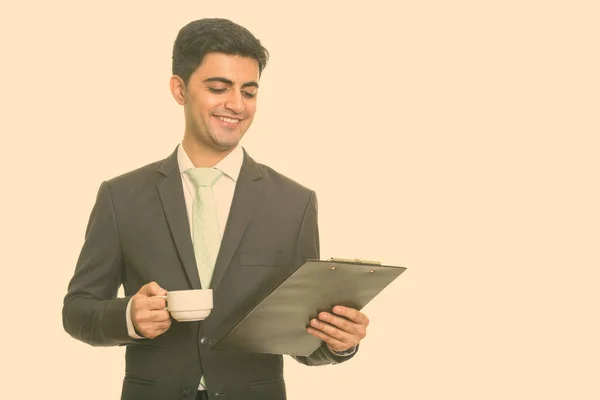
(177, 89)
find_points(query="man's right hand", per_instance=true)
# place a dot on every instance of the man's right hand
(148, 313)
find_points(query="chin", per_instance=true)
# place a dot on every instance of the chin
(227, 142)
(225, 145)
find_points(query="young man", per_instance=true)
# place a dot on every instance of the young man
(152, 231)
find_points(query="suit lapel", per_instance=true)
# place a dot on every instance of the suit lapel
(246, 195)
(170, 190)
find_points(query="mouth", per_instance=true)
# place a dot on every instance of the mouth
(229, 121)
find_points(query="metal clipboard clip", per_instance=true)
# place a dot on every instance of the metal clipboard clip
(354, 260)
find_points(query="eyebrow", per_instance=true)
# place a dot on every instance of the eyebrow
(229, 82)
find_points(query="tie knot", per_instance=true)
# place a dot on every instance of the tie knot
(203, 176)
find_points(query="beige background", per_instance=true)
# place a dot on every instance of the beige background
(459, 139)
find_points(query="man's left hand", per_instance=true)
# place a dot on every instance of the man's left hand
(342, 331)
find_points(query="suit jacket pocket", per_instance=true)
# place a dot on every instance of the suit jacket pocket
(266, 382)
(266, 389)
(140, 380)
(135, 388)
(264, 259)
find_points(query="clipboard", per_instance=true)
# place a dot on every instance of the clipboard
(277, 324)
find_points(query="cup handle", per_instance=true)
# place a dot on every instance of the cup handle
(163, 297)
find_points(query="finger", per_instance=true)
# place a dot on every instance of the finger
(152, 289)
(156, 290)
(156, 303)
(332, 342)
(151, 334)
(352, 314)
(145, 290)
(153, 329)
(160, 316)
(142, 302)
(161, 327)
(331, 331)
(145, 315)
(340, 322)
(356, 330)
(140, 315)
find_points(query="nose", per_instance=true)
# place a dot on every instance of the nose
(235, 102)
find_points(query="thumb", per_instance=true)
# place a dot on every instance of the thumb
(152, 289)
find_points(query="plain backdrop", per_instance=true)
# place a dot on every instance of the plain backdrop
(456, 138)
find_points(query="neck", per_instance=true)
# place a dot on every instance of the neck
(200, 155)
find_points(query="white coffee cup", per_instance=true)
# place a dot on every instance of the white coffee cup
(189, 305)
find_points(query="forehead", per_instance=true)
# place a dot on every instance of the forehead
(237, 69)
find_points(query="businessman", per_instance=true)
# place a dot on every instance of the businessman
(206, 216)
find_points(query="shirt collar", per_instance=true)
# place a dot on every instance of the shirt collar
(230, 165)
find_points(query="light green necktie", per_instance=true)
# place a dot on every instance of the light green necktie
(205, 223)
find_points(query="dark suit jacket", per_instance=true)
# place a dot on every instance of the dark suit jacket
(138, 232)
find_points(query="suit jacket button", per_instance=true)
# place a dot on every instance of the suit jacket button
(186, 392)
(204, 341)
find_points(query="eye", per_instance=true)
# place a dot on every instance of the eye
(249, 95)
(217, 90)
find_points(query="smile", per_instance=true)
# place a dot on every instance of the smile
(228, 120)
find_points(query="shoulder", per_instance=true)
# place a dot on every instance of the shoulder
(287, 193)
(274, 178)
(280, 188)
(141, 178)
(142, 175)
(282, 181)
(284, 187)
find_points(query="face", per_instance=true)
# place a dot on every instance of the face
(219, 100)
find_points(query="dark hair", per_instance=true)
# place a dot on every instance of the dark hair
(209, 35)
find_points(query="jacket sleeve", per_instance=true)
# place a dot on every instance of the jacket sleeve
(308, 247)
(91, 312)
